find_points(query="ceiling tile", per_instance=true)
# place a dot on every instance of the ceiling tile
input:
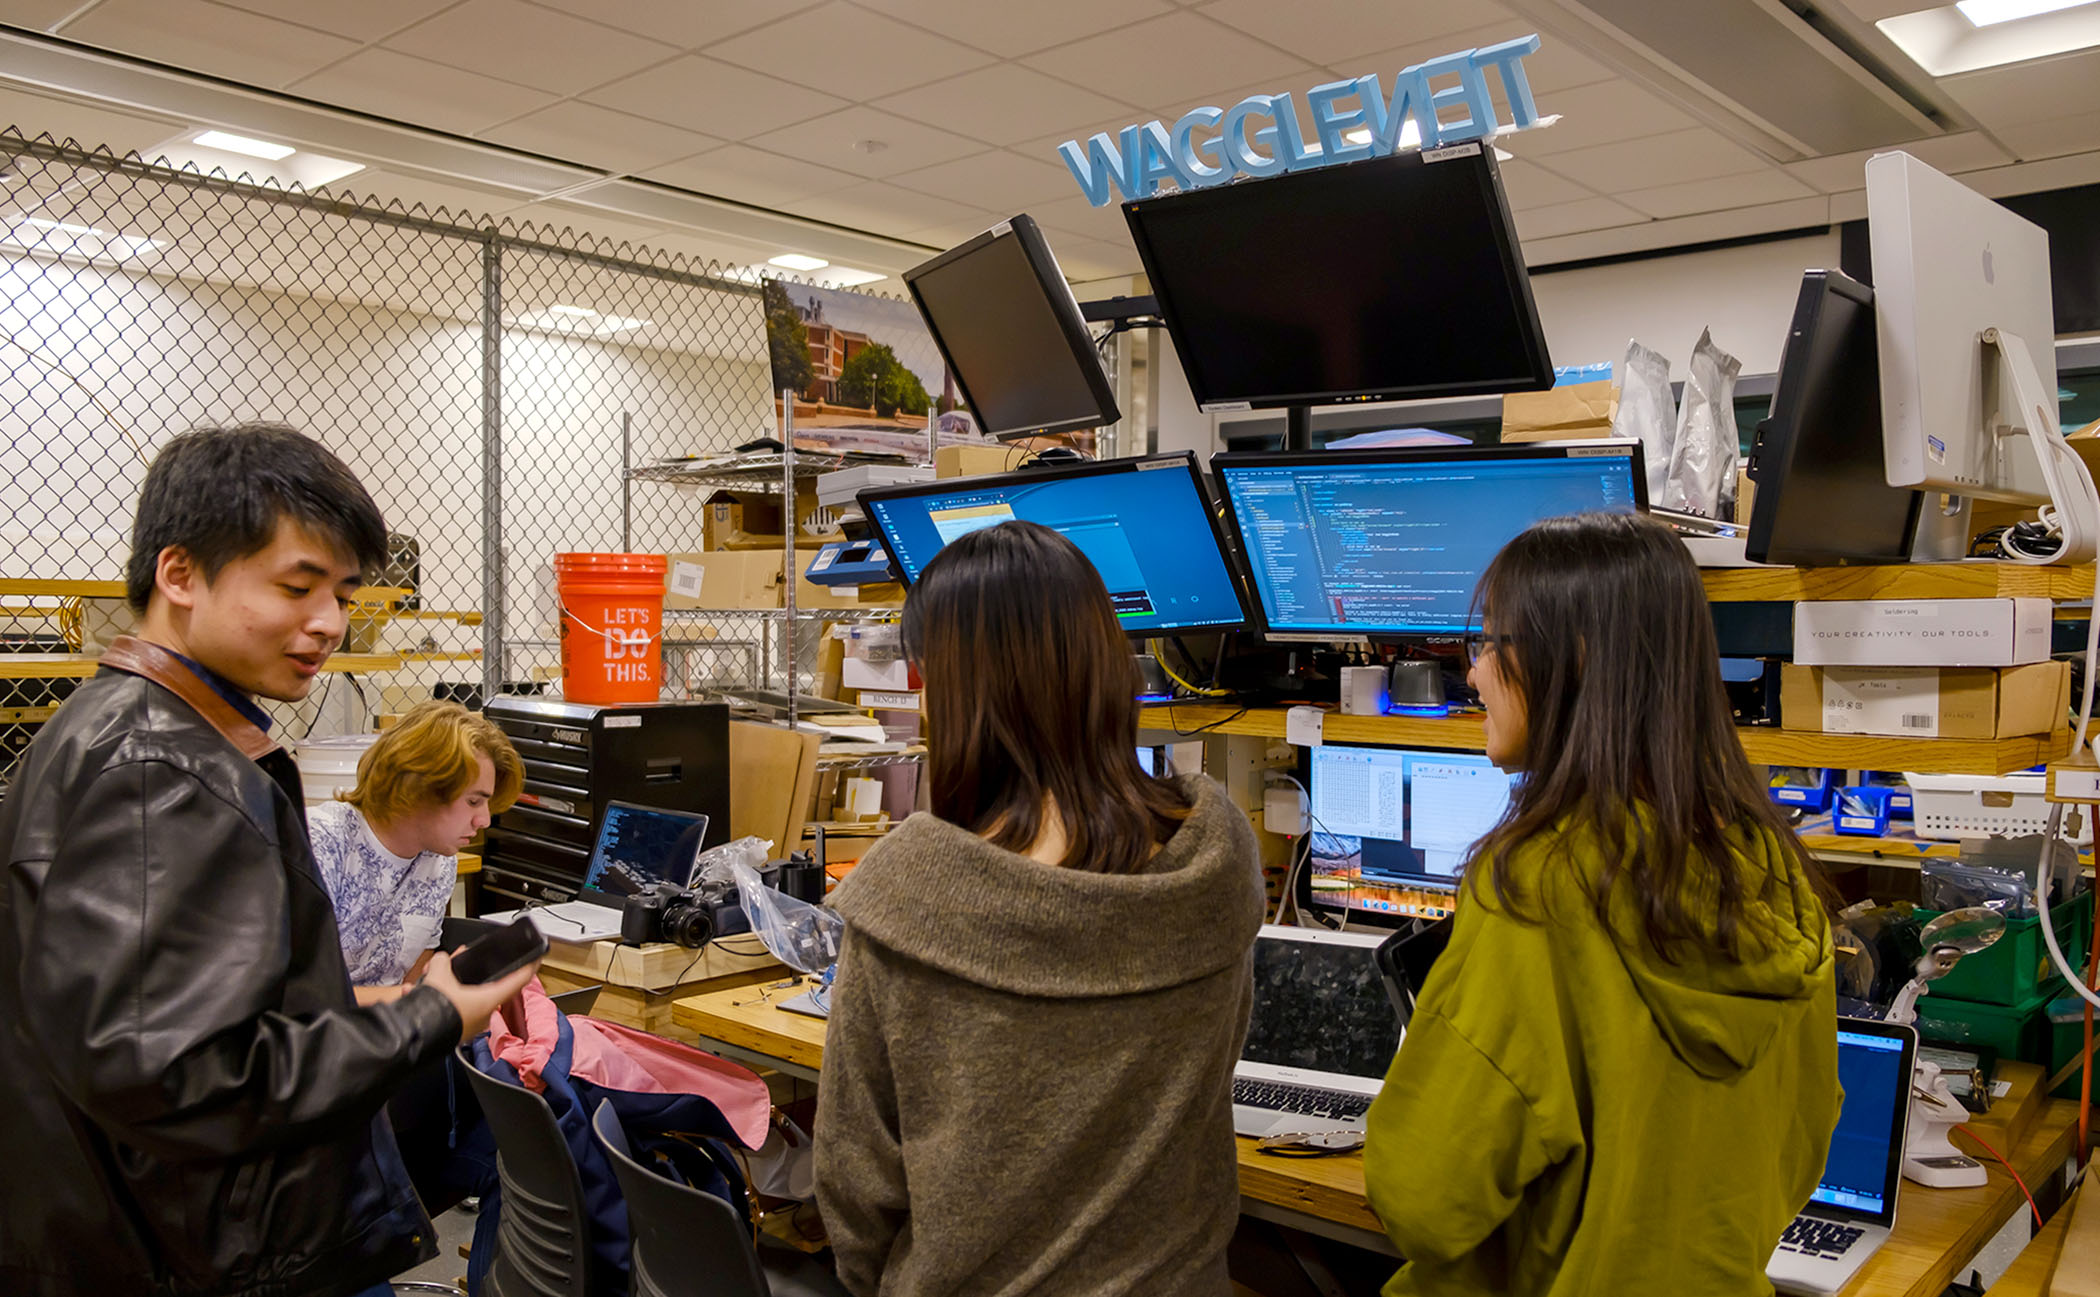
(1083, 260)
(1011, 29)
(1695, 154)
(1598, 114)
(1953, 154)
(599, 137)
(1555, 67)
(531, 46)
(2054, 138)
(703, 94)
(887, 209)
(1075, 216)
(35, 114)
(459, 199)
(831, 141)
(1006, 104)
(747, 175)
(37, 15)
(207, 38)
(998, 180)
(1749, 189)
(579, 219)
(1530, 185)
(405, 89)
(367, 20)
(949, 233)
(849, 52)
(1177, 58)
(688, 24)
(1338, 31)
(1570, 218)
(2041, 91)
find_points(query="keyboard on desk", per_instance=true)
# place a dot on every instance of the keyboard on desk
(1814, 1237)
(1301, 1100)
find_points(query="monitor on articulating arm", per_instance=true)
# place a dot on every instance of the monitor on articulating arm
(1968, 357)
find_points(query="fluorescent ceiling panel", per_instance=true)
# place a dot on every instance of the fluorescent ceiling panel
(1946, 43)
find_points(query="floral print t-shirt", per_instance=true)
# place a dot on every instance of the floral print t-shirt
(387, 908)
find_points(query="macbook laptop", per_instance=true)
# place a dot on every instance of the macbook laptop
(1321, 1035)
(636, 846)
(1853, 1208)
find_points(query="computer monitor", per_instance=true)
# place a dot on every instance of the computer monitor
(1388, 821)
(1949, 264)
(1011, 334)
(1393, 542)
(1146, 524)
(1372, 281)
(1823, 496)
(641, 845)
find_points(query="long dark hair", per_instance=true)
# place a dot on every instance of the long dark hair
(1031, 697)
(1605, 635)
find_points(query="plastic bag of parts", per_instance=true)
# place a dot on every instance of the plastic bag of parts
(1647, 412)
(805, 937)
(712, 870)
(1995, 873)
(1706, 449)
(1877, 947)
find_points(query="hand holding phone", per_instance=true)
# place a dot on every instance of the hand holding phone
(495, 954)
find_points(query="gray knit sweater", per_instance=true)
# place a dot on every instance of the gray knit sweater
(1028, 1072)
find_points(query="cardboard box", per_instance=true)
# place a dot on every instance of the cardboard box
(732, 520)
(1926, 702)
(975, 461)
(1577, 411)
(1921, 632)
(723, 579)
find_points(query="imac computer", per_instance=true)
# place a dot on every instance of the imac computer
(1392, 827)
(1968, 356)
(1146, 524)
(1393, 542)
(1823, 496)
(1011, 333)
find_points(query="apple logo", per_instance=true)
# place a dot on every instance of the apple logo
(1990, 273)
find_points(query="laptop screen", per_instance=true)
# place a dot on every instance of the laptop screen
(1394, 820)
(638, 845)
(1859, 1177)
(1320, 1006)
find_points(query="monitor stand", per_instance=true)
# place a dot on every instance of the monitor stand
(2034, 415)
(1297, 427)
(1943, 530)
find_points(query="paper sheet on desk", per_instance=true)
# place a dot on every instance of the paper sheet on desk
(575, 922)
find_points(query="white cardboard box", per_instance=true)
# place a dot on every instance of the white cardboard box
(1921, 632)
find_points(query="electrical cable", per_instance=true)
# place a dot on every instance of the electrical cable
(1963, 1128)
(1196, 689)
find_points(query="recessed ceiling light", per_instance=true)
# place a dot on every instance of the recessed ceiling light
(1987, 13)
(60, 238)
(1947, 41)
(581, 312)
(848, 277)
(618, 324)
(1410, 134)
(246, 146)
(797, 261)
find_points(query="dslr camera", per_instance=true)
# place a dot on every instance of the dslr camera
(684, 916)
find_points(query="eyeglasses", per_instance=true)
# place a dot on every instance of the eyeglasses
(1480, 645)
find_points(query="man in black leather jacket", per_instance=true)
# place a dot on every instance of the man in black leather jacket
(191, 1096)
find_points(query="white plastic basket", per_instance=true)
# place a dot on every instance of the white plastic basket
(329, 765)
(1951, 807)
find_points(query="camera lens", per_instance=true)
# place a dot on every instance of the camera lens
(688, 925)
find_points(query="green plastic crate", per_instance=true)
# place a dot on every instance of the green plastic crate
(2020, 1032)
(2009, 972)
(2066, 1039)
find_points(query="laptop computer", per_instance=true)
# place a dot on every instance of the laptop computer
(637, 845)
(1321, 1035)
(1853, 1208)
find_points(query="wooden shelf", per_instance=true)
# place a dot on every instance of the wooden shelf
(79, 666)
(17, 587)
(1764, 747)
(26, 715)
(1971, 580)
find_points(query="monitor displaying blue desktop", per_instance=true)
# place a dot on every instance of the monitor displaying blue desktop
(640, 845)
(1145, 524)
(1874, 1072)
(1393, 542)
(1388, 820)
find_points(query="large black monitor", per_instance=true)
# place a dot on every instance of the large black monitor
(1146, 524)
(1372, 281)
(1823, 496)
(1393, 542)
(1011, 334)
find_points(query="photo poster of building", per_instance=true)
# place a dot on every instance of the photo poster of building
(858, 361)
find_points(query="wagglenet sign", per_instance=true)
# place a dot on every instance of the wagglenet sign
(1352, 120)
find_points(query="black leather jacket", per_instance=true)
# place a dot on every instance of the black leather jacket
(189, 1097)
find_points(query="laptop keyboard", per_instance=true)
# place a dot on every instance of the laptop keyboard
(1814, 1237)
(1303, 1100)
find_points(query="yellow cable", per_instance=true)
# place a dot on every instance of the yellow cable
(1197, 690)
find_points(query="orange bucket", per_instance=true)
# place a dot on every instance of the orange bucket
(612, 615)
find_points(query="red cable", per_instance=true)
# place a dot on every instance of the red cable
(2008, 1170)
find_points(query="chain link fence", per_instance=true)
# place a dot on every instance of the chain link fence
(491, 383)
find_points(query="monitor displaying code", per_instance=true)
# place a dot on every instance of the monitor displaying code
(1397, 547)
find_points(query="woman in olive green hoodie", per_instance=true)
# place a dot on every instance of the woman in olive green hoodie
(1621, 1076)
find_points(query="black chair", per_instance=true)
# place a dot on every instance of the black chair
(578, 1002)
(543, 1237)
(687, 1242)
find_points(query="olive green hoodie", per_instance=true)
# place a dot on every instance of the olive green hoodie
(1571, 1113)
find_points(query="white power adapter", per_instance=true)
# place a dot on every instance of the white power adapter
(1283, 810)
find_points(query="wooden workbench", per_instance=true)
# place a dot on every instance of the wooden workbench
(642, 982)
(1938, 1231)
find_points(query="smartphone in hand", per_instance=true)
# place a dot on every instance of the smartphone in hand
(506, 950)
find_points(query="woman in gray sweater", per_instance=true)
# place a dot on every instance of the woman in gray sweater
(1028, 1072)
